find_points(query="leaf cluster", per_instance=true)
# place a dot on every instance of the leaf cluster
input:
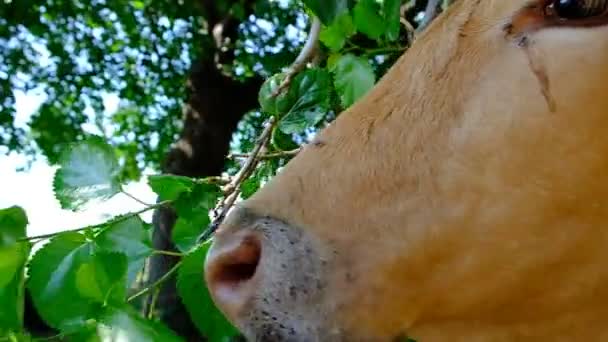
(78, 56)
(83, 283)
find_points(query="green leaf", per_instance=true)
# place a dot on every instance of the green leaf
(186, 232)
(52, 281)
(282, 141)
(125, 324)
(312, 89)
(88, 170)
(169, 187)
(275, 105)
(368, 19)
(12, 260)
(104, 279)
(335, 35)
(138, 4)
(13, 221)
(13, 256)
(332, 60)
(129, 237)
(193, 214)
(203, 197)
(250, 186)
(354, 77)
(86, 282)
(238, 11)
(327, 10)
(263, 173)
(192, 288)
(392, 17)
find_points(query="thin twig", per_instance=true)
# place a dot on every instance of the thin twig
(140, 282)
(251, 162)
(411, 31)
(266, 156)
(308, 52)
(168, 253)
(153, 301)
(225, 206)
(232, 190)
(382, 51)
(156, 284)
(48, 338)
(100, 225)
(219, 180)
(409, 28)
(124, 192)
(51, 235)
(375, 51)
(429, 14)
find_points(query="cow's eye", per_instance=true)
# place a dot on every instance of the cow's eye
(577, 9)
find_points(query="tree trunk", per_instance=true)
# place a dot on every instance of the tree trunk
(216, 104)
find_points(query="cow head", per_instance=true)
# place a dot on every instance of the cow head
(464, 198)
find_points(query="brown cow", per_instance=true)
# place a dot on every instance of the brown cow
(463, 199)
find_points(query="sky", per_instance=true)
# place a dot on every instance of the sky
(32, 189)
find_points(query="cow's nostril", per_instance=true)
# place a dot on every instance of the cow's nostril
(239, 265)
(230, 269)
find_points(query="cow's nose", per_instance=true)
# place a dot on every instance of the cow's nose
(230, 270)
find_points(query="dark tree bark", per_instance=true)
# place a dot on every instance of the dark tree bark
(215, 105)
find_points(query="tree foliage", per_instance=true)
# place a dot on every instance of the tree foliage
(78, 53)
(86, 283)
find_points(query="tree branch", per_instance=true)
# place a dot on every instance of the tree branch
(266, 156)
(124, 192)
(113, 221)
(169, 253)
(218, 180)
(429, 14)
(156, 284)
(232, 190)
(308, 52)
(153, 302)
